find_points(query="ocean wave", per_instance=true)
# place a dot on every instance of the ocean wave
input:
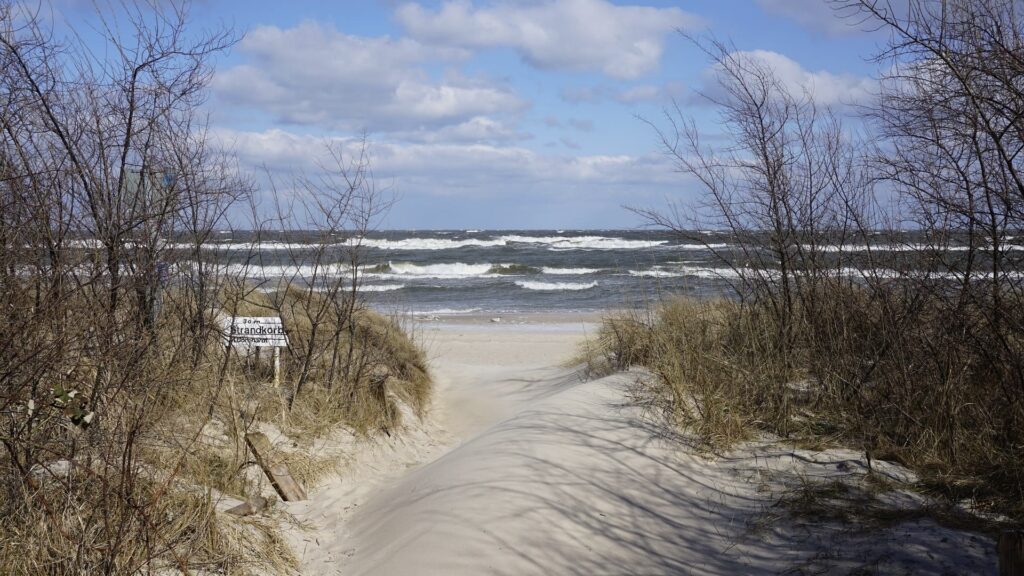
(552, 242)
(428, 243)
(716, 246)
(656, 273)
(690, 272)
(513, 269)
(267, 246)
(453, 270)
(445, 311)
(552, 286)
(583, 242)
(380, 287)
(305, 271)
(910, 247)
(881, 248)
(570, 271)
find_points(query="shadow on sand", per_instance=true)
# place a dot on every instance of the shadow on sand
(579, 483)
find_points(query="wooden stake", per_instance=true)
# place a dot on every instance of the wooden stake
(280, 478)
(1011, 553)
(277, 367)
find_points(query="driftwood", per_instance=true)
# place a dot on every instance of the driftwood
(280, 478)
(251, 506)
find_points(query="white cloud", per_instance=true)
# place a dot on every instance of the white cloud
(436, 167)
(479, 129)
(483, 185)
(621, 41)
(824, 87)
(312, 74)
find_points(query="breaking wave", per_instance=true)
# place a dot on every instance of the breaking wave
(551, 242)
(555, 285)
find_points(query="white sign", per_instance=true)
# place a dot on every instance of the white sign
(253, 331)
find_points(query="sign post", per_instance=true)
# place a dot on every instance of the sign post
(277, 366)
(254, 332)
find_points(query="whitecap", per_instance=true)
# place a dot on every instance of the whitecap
(380, 287)
(453, 270)
(583, 242)
(428, 243)
(555, 285)
(569, 271)
(445, 311)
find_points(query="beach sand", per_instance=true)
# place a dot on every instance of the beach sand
(522, 467)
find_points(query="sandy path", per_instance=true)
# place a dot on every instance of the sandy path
(483, 372)
(538, 472)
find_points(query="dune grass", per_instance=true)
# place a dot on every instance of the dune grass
(853, 374)
(148, 477)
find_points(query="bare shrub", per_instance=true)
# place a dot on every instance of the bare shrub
(122, 413)
(843, 329)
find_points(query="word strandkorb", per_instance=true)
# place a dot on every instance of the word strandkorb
(253, 331)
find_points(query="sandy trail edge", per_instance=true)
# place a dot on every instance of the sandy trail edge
(532, 471)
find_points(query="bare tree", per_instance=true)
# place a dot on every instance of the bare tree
(106, 173)
(789, 181)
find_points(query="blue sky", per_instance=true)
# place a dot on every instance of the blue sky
(504, 113)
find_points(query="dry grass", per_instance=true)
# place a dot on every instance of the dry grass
(854, 375)
(184, 423)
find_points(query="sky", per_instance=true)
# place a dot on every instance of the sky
(524, 114)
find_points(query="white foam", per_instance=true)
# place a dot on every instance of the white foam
(690, 272)
(657, 273)
(454, 270)
(569, 271)
(380, 287)
(718, 246)
(287, 270)
(254, 246)
(428, 243)
(553, 242)
(446, 311)
(555, 285)
(85, 243)
(884, 248)
(584, 242)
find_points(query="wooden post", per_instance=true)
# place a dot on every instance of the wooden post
(1011, 553)
(277, 367)
(280, 478)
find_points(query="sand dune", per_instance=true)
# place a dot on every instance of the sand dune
(546, 474)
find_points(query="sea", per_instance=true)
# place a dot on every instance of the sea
(494, 271)
(441, 272)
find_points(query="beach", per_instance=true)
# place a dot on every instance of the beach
(524, 467)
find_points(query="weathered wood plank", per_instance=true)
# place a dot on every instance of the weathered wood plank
(280, 478)
(251, 506)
